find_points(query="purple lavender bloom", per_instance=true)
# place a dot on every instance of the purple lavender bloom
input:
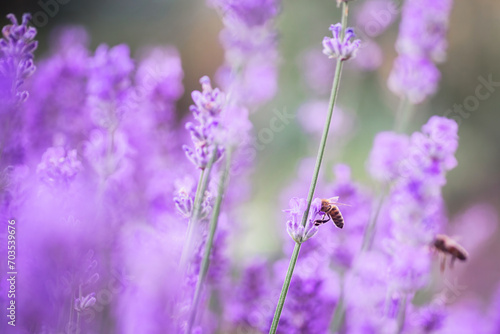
(374, 16)
(427, 319)
(109, 155)
(370, 58)
(109, 85)
(423, 28)
(59, 166)
(413, 78)
(209, 102)
(475, 226)
(208, 106)
(248, 303)
(85, 302)
(250, 43)
(368, 301)
(219, 261)
(311, 300)
(159, 81)
(494, 314)
(250, 12)
(389, 150)
(416, 201)
(16, 58)
(432, 152)
(56, 111)
(317, 71)
(337, 48)
(311, 116)
(409, 268)
(184, 199)
(294, 227)
(467, 317)
(16, 65)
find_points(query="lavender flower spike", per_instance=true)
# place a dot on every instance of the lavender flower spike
(16, 57)
(294, 226)
(337, 47)
(86, 302)
(58, 166)
(207, 109)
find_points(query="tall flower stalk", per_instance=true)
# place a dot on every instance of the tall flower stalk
(206, 110)
(341, 48)
(209, 243)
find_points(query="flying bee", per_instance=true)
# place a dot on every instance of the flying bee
(331, 211)
(448, 246)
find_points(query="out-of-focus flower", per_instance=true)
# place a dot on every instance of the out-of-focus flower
(409, 268)
(337, 47)
(16, 58)
(313, 291)
(250, 12)
(109, 85)
(208, 106)
(294, 227)
(248, 307)
(467, 317)
(374, 16)
(56, 112)
(16, 65)
(413, 78)
(432, 152)
(370, 58)
(312, 114)
(421, 40)
(317, 71)
(250, 44)
(426, 319)
(475, 226)
(423, 29)
(389, 150)
(159, 81)
(109, 155)
(58, 166)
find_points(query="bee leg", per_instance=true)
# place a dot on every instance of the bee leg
(452, 261)
(318, 222)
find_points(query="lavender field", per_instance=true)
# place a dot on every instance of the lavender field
(249, 166)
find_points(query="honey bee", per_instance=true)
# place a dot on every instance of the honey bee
(448, 246)
(331, 211)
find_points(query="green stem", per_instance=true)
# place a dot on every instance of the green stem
(70, 322)
(339, 315)
(78, 313)
(193, 221)
(209, 243)
(314, 181)
(402, 314)
(370, 230)
(403, 115)
(284, 289)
